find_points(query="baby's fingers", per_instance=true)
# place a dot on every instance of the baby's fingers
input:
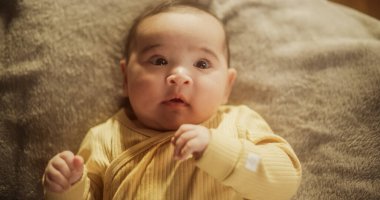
(181, 142)
(68, 157)
(78, 163)
(183, 129)
(77, 172)
(187, 150)
(52, 186)
(55, 180)
(61, 166)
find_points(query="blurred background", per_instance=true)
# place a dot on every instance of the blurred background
(370, 7)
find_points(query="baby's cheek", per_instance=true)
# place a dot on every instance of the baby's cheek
(212, 94)
(144, 84)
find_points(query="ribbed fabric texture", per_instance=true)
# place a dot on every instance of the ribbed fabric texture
(244, 159)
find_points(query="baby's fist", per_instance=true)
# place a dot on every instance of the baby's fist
(63, 170)
(190, 140)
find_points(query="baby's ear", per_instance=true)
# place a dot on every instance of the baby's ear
(123, 67)
(231, 77)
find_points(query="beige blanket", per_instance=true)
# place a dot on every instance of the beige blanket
(311, 68)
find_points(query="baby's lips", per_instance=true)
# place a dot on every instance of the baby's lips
(178, 98)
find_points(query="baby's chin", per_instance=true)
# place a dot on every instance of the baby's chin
(165, 122)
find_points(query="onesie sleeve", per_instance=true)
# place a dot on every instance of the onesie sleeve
(90, 186)
(253, 161)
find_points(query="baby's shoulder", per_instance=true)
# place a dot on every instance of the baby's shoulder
(245, 119)
(239, 112)
(108, 130)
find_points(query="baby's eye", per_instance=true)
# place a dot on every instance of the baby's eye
(202, 64)
(158, 61)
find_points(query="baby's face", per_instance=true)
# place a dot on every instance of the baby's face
(177, 71)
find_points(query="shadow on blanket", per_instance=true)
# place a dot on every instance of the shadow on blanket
(311, 68)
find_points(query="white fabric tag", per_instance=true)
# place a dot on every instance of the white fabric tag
(252, 162)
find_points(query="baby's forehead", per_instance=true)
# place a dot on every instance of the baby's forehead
(186, 11)
(173, 21)
(197, 27)
(215, 28)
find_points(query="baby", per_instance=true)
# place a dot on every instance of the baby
(178, 140)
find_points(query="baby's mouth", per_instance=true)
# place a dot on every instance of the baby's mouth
(176, 102)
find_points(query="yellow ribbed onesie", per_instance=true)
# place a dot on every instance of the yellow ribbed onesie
(244, 160)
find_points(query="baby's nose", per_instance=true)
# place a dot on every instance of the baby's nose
(179, 77)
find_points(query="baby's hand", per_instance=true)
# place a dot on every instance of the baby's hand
(63, 170)
(190, 140)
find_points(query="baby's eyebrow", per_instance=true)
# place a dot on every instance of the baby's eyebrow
(209, 51)
(149, 47)
(204, 49)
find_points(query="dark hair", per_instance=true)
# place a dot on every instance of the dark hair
(167, 6)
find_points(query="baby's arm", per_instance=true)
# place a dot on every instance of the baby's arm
(267, 170)
(85, 181)
(248, 157)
